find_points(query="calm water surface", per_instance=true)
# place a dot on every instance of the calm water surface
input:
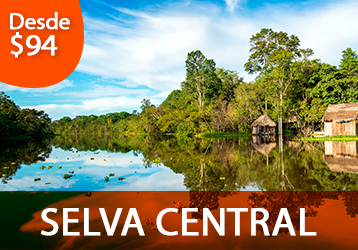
(80, 163)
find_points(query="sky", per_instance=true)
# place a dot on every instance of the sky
(137, 49)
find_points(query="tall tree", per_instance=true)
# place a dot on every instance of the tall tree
(201, 80)
(272, 56)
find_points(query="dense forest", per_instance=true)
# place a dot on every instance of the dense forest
(296, 89)
(16, 122)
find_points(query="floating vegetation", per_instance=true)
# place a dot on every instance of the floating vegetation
(42, 167)
(157, 161)
(92, 159)
(37, 179)
(67, 176)
(106, 179)
(59, 167)
(96, 153)
(79, 168)
(121, 178)
(49, 167)
(111, 174)
(71, 172)
(47, 183)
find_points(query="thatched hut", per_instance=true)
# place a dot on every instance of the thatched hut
(341, 119)
(342, 164)
(263, 124)
(265, 148)
(342, 156)
(335, 148)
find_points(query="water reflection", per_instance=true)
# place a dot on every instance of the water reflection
(341, 156)
(264, 146)
(14, 154)
(84, 163)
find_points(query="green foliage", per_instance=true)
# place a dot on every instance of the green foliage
(291, 88)
(332, 138)
(17, 122)
(266, 45)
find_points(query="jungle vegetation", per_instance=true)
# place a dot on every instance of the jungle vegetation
(16, 122)
(296, 88)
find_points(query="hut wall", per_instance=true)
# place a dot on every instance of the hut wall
(344, 128)
(341, 148)
(254, 130)
(328, 147)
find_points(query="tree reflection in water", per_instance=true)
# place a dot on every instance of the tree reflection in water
(206, 164)
(14, 153)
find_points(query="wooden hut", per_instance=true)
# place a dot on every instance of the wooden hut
(263, 146)
(341, 156)
(263, 124)
(341, 119)
(342, 164)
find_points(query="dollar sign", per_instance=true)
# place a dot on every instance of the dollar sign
(17, 45)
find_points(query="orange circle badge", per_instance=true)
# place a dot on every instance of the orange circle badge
(41, 41)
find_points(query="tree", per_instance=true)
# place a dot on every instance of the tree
(201, 81)
(272, 56)
(337, 85)
(229, 81)
(15, 122)
(266, 44)
(247, 105)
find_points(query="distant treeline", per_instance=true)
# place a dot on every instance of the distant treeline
(16, 122)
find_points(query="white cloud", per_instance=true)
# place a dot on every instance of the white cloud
(93, 106)
(54, 88)
(98, 91)
(232, 4)
(151, 50)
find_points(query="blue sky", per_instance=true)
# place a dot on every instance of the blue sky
(137, 49)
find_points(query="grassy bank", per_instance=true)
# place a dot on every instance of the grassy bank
(332, 138)
(223, 135)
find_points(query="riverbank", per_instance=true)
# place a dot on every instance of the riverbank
(331, 138)
(222, 135)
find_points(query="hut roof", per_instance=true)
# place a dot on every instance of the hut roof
(264, 148)
(342, 164)
(264, 120)
(341, 112)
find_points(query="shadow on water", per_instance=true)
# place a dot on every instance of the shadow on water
(24, 232)
(204, 164)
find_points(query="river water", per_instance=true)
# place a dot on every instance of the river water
(82, 163)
